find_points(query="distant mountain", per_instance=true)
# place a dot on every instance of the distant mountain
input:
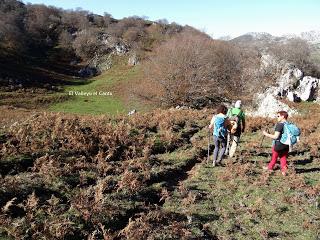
(313, 37)
(259, 40)
(256, 38)
(260, 35)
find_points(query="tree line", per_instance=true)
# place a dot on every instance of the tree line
(36, 28)
(195, 70)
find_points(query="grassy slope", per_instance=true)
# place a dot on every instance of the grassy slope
(242, 201)
(37, 92)
(114, 81)
(238, 201)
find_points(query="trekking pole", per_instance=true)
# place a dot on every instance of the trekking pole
(267, 130)
(262, 140)
(208, 158)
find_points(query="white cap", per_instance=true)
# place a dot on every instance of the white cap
(238, 104)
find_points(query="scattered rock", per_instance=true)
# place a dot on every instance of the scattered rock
(132, 112)
(133, 60)
(87, 72)
(121, 48)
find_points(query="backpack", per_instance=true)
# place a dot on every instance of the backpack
(290, 135)
(234, 121)
(220, 129)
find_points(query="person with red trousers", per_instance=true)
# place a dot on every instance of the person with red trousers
(279, 150)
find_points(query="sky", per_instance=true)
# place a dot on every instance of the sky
(217, 18)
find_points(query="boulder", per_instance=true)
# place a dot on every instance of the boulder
(269, 105)
(288, 81)
(307, 89)
(133, 60)
(121, 48)
(132, 112)
(87, 72)
(293, 97)
(291, 82)
(318, 96)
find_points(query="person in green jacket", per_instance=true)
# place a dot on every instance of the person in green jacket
(237, 115)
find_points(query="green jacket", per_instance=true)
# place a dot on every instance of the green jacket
(240, 114)
(236, 111)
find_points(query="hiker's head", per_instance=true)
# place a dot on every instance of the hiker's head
(238, 104)
(222, 109)
(282, 115)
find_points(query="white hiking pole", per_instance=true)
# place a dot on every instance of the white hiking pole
(208, 157)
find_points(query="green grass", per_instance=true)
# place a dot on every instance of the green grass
(235, 204)
(114, 81)
(237, 209)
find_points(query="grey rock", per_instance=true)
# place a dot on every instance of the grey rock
(307, 88)
(133, 60)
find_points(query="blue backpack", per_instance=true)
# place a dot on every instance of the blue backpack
(219, 127)
(290, 135)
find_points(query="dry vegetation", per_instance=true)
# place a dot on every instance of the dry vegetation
(192, 69)
(65, 176)
(76, 177)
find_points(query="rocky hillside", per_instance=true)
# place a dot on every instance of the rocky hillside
(36, 37)
(290, 68)
(291, 84)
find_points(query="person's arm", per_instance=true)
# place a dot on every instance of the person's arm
(243, 121)
(229, 112)
(211, 123)
(243, 124)
(273, 136)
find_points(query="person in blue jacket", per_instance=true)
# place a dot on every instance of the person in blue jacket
(219, 123)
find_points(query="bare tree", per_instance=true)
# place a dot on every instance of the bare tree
(192, 66)
(42, 23)
(86, 43)
(12, 15)
(75, 21)
(296, 51)
(66, 40)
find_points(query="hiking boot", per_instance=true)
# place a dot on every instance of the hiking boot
(266, 168)
(214, 163)
(284, 171)
(221, 164)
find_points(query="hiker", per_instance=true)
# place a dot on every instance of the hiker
(219, 124)
(237, 117)
(278, 149)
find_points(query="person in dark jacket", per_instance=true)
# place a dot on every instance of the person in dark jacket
(279, 150)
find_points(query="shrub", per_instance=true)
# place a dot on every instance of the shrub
(190, 67)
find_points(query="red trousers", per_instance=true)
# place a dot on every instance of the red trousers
(283, 159)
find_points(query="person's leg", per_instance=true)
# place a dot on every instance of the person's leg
(216, 149)
(234, 144)
(283, 162)
(223, 143)
(274, 158)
